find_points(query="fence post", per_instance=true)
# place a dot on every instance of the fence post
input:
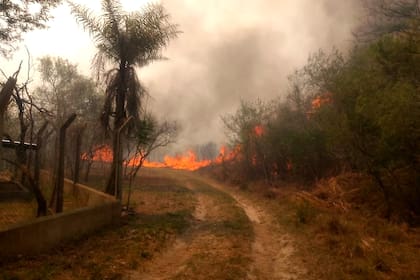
(59, 183)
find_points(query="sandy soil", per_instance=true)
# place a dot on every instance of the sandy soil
(270, 252)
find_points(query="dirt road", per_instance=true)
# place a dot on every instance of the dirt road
(230, 238)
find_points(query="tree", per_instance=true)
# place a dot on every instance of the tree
(21, 16)
(371, 122)
(124, 41)
(246, 128)
(148, 136)
(24, 106)
(64, 91)
(5, 95)
(384, 17)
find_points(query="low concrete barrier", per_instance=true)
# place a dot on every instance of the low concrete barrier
(44, 233)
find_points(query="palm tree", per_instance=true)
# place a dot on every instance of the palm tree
(124, 41)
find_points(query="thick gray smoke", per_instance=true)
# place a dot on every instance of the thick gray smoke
(238, 49)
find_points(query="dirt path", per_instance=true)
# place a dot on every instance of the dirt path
(272, 250)
(174, 260)
(230, 238)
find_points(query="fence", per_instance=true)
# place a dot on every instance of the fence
(97, 210)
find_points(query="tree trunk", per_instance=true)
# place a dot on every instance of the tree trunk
(5, 95)
(88, 166)
(114, 181)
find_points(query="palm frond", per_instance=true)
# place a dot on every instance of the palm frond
(89, 22)
(125, 41)
(113, 15)
(147, 33)
(113, 10)
(112, 80)
(135, 93)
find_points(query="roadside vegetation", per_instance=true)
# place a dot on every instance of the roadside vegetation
(338, 159)
(345, 113)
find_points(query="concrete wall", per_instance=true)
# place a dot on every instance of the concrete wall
(46, 232)
(84, 195)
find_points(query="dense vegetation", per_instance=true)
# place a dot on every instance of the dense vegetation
(352, 112)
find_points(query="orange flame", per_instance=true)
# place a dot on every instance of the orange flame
(321, 100)
(226, 155)
(289, 165)
(152, 164)
(187, 161)
(259, 130)
(103, 154)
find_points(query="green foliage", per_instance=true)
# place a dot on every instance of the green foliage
(21, 16)
(358, 112)
(124, 41)
(246, 128)
(372, 123)
(65, 91)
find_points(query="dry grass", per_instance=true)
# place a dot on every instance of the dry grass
(340, 234)
(111, 252)
(222, 244)
(14, 212)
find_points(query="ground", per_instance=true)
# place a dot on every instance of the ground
(184, 227)
(187, 226)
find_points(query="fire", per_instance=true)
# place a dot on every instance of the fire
(152, 164)
(187, 161)
(289, 165)
(321, 100)
(101, 153)
(259, 130)
(226, 155)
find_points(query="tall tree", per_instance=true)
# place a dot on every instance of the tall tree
(124, 41)
(63, 91)
(398, 17)
(20, 16)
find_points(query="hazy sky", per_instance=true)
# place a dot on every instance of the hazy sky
(229, 50)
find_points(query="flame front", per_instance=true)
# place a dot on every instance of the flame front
(227, 155)
(187, 161)
(101, 153)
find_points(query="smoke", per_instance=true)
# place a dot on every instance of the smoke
(238, 50)
(228, 51)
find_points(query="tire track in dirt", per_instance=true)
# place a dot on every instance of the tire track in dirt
(198, 241)
(173, 260)
(272, 250)
(271, 253)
